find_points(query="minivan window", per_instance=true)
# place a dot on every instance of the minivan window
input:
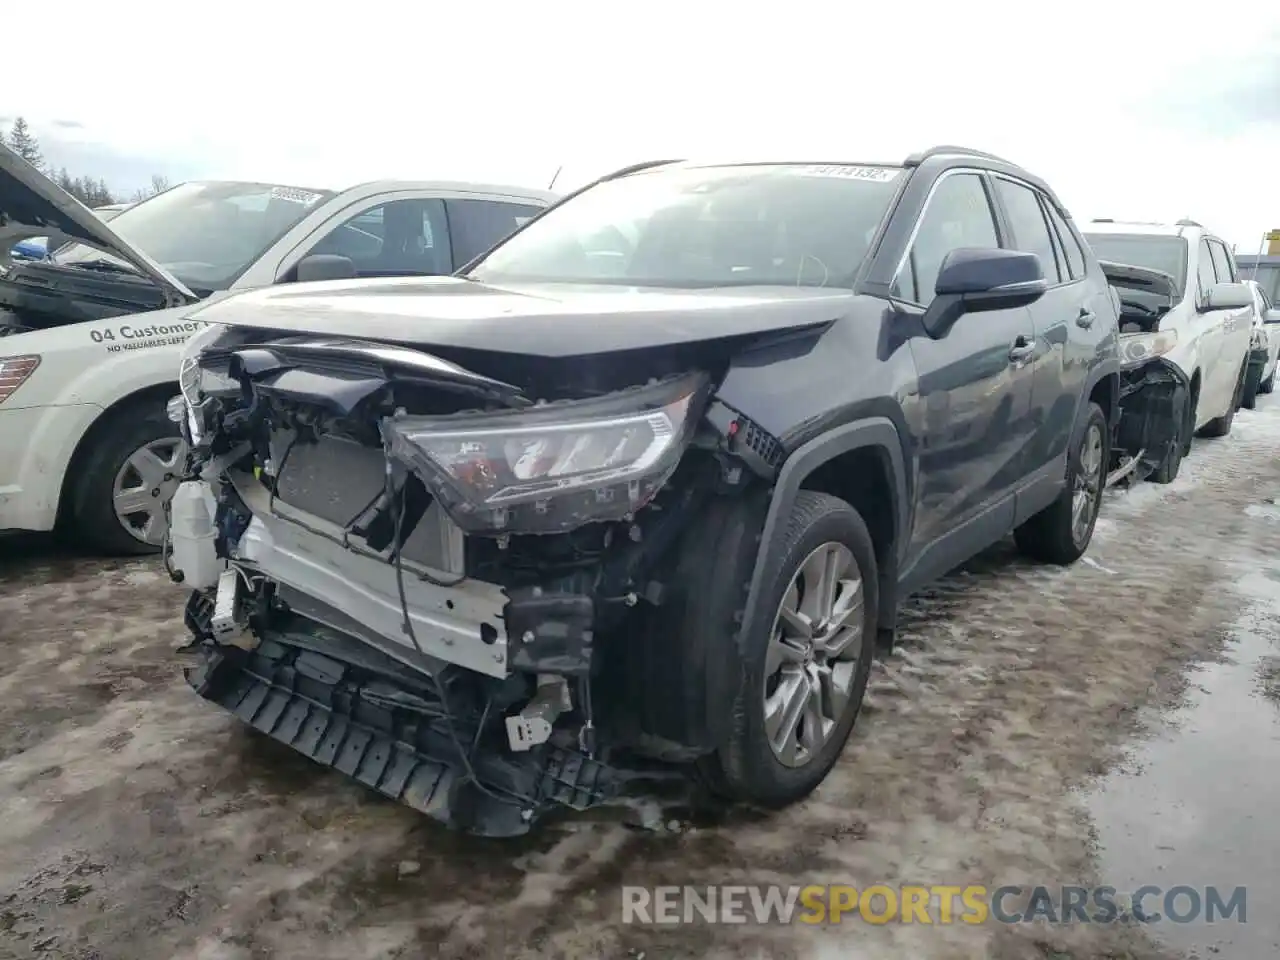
(719, 226)
(478, 225)
(1153, 251)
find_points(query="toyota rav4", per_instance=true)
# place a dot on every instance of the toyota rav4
(648, 481)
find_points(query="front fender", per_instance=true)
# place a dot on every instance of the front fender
(875, 432)
(102, 361)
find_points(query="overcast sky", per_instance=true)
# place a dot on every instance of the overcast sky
(1129, 108)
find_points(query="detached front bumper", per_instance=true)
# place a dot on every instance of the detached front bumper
(359, 713)
(1154, 400)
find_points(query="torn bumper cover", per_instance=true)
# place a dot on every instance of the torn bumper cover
(1154, 407)
(397, 741)
(413, 598)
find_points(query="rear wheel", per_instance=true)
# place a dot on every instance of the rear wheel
(1252, 385)
(805, 667)
(1061, 532)
(128, 474)
(1221, 426)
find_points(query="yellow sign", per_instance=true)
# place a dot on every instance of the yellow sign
(1273, 243)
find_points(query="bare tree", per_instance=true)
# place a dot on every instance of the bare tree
(159, 184)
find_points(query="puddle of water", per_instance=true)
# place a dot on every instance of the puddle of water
(1198, 806)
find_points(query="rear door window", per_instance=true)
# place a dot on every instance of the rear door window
(1206, 275)
(399, 238)
(1030, 231)
(1223, 265)
(478, 226)
(1070, 245)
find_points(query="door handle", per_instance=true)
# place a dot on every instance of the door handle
(1021, 351)
(1086, 318)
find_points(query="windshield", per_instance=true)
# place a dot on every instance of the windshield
(1166, 254)
(764, 224)
(206, 234)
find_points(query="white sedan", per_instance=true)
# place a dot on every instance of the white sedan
(90, 338)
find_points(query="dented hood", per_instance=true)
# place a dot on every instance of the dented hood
(553, 320)
(1139, 278)
(32, 205)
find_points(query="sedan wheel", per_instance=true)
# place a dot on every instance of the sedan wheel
(813, 654)
(143, 485)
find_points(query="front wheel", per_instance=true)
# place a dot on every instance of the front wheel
(805, 669)
(130, 471)
(1060, 533)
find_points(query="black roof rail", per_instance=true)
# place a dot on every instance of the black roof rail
(1102, 220)
(1188, 222)
(942, 149)
(636, 168)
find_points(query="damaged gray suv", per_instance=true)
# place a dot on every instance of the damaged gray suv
(646, 482)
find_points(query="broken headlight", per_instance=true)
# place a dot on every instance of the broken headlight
(1138, 348)
(554, 467)
(1260, 339)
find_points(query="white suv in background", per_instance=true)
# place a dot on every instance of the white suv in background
(1204, 327)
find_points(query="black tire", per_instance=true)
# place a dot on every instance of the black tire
(1269, 384)
(1167, 472)
(1050, 536)
(1249, 396)
(746, 767)
(92, 518)
(1221, 426)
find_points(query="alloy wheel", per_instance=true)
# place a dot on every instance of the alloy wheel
(1088, 484)
(143, 485)
(813, 652)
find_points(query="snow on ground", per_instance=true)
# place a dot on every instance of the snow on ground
(141, 823)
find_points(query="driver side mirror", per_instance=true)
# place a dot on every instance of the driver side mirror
(979, 279)
(1227, 296)
(325, 266)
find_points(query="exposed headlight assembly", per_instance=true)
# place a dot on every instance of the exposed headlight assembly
(1138, 348)
(551, 468)
(1260, 339)
(198, 383)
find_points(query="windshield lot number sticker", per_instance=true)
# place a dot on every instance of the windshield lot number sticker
(304, 197)
(843, 172)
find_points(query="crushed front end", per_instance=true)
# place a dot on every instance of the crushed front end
(1155, 394)
(1155, 397)
(405, 569)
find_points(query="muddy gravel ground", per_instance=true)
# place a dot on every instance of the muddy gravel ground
(139, 822)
